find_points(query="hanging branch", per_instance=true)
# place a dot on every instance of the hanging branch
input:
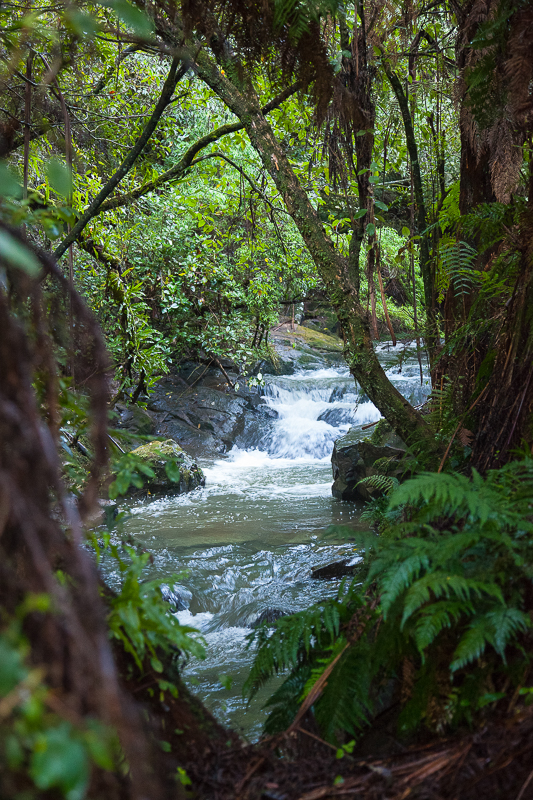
(412, 149)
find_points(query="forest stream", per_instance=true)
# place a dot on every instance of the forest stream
(247, 542)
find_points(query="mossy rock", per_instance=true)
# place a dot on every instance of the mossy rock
(383, 434)
(175, 470)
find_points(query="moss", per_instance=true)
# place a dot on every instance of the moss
(316, 339)
(167, 449)
(156, 454)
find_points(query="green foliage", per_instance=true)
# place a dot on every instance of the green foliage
(141, 619)
(445, 592)
(130, 470)
(39, 749)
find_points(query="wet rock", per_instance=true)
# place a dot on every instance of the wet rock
(133, 419)
(178, 597)
(269, 616)
(337, 416)
(156, 455)
(205, 418)
(338, 569)
(353, 460)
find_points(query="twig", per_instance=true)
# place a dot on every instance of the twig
(524, 787)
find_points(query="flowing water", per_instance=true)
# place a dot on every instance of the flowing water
(248, 541)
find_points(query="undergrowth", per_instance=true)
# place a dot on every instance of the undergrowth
(435, 630)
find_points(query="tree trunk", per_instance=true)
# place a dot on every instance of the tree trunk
(358, 349)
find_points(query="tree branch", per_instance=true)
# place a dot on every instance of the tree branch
(175, 74)
(178, 170)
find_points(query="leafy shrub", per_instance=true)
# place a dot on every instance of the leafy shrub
(140, 618)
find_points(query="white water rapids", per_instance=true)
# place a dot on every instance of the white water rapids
(248, 541)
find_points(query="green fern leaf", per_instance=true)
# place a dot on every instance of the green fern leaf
(507, 622)
(472, 643)
(436, 617)
(396, 580)
(442, 585)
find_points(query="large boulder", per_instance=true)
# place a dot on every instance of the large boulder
(157, 455)
(133, 419)
(353, 460)
(206, 419)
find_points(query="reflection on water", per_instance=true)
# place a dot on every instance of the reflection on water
(249, 540)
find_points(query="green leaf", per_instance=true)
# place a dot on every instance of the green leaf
(59, 177)
(370, 229)
(59, 760)
(173, 471)
(18, 255)
(84, 25)
(226, 681)
(123, 481)
(12, 669)
(146, 470)
(101, 743)
(381, 205)
(406, 232)
(360, 213)
(133, 17)
(9, 185)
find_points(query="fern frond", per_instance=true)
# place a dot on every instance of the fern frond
(472, 643)
(457, 261)
(506, 623)
(436, 617)
(395, 580)
(346, 702)
(290, 641)
(439, 584)
(382, 465)
(382, 483)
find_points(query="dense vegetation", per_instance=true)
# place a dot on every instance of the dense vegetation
(192, 172)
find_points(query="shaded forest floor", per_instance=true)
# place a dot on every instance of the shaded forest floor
(494, 762)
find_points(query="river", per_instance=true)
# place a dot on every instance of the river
(248, 541)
